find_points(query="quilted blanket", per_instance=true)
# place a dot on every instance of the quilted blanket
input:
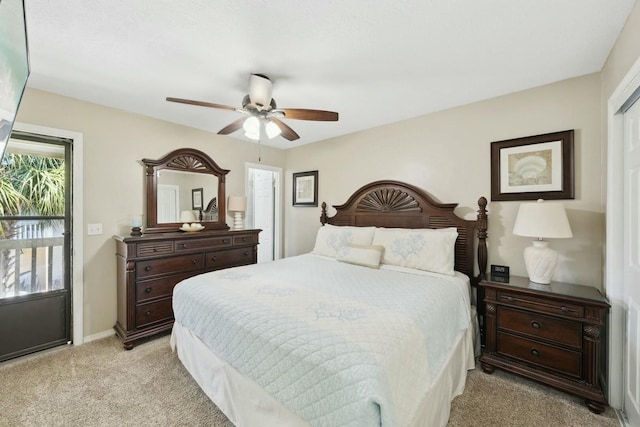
(337, 344)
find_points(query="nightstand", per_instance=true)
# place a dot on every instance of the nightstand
(547, 333)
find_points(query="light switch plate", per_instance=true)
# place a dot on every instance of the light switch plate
(94, 229)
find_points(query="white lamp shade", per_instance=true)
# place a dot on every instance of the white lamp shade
(237, 203)
(260, 89)
(187, 216)
(272, 129)
(543, 220)
(251, 128)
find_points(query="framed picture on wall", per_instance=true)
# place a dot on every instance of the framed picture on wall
(196, 199)
(534, 167)
(305, 188)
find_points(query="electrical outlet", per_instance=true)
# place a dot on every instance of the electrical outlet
(94, 229)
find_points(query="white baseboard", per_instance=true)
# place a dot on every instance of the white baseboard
(99, 335)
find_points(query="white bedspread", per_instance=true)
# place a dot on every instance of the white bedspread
(335, 343)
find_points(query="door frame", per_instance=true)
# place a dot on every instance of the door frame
(614, 252)
(277, 217)
(77, 223)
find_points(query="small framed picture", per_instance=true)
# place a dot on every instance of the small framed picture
(196, 199)
(534, 167)
(305, 188)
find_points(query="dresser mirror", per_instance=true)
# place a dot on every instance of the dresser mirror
(186, 185)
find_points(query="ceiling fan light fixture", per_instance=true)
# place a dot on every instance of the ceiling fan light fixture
(260, 90)
(251, 128)
(272, 129)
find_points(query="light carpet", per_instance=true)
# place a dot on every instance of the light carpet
(101, 384)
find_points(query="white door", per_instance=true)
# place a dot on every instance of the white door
(168, 202)
(631, 292)
(263, 208)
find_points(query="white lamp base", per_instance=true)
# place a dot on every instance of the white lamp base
(540, 261)
(237, 221)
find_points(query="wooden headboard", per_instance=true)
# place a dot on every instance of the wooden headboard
(395, 204)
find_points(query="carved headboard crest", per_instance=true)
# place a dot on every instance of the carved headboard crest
(388, 200)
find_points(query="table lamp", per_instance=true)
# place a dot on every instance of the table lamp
(542, 220)
(237, 205)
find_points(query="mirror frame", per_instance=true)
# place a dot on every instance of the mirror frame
(184, 160)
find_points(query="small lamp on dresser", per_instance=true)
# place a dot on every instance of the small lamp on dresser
(237, 205)
(542, 220)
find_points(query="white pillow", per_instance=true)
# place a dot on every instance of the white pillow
(365, 255)
(423, 249)
(331, 238)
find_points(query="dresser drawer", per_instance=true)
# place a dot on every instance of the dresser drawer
(565, 361)
(153, 312)
(540, 304)
(245, 239)
(154, 248)
(194, 244)
(169, 265)
(157, 288)
(562, 331)
(231, 257)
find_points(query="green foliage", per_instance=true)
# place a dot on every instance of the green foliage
(32, 185)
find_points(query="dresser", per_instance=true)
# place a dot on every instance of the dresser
(547, 333)
(149, 266)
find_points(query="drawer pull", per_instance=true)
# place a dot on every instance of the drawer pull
(564, 309)
(535, 325)
(155, 249)
(225, 241)
(194, 261)
(147, 268)
(535, 352)
(246, 253)
(148, 290)
(184, 245)
(213, 258)
(148, 313)
(509, 298)
(244, 239)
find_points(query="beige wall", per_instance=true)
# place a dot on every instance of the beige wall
(448, 154)
(114, 144)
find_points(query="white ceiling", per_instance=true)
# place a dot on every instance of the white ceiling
(374, 62)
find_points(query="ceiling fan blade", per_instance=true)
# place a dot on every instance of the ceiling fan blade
(287, 132)
(200, 103)
(232, 127)
(305, 114)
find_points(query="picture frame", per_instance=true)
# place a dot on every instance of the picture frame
(196, 199)
(533, 167)
(14, 65)
(305, 188)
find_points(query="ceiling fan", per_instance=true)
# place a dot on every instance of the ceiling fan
(263, 112)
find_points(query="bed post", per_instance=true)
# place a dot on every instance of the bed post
(482, 239)
(323, 215)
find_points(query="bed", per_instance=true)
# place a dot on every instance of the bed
(374, 327)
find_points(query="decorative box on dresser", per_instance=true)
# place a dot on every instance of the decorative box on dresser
(547, 333)
(149, 266)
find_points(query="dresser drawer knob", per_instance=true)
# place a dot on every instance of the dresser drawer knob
(184, 245)
(509, 298)
(194, 261)
(246, 253)
(244, 239)
(148, 313)
(213, 258)
(155, 249)
(535, 325)
(564, 309)
(225, 241)
(535, 352)
(148, 290)
(147, 268)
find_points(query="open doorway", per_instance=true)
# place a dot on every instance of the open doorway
(264, 208)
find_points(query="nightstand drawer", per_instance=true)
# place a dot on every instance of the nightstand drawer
(539, 326)
(564, 361)
(540, 304)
